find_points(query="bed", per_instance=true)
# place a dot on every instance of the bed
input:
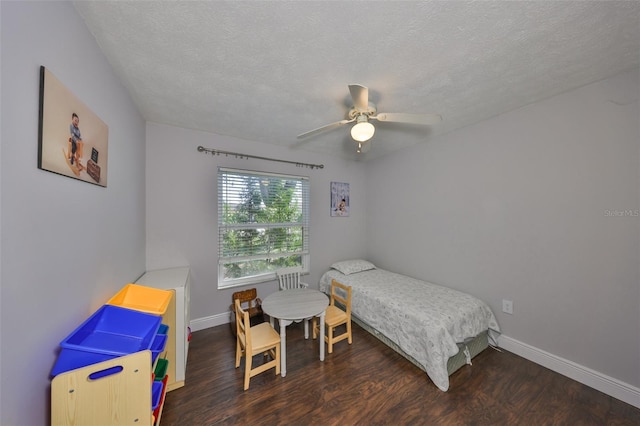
(438, 329)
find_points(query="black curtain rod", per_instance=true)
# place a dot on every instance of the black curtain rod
(238, 155)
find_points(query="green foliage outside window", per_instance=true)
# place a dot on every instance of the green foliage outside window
(262, 224)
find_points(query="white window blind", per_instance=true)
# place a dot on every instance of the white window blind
(263, 225)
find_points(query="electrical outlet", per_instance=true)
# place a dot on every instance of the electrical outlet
(507, 306)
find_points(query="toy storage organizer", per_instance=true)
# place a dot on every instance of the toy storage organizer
(109, 370)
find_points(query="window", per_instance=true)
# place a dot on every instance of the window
(263, 225)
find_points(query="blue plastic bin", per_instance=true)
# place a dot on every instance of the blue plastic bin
(164, 329)
(110, 332)
(157, 346)
(156, 394)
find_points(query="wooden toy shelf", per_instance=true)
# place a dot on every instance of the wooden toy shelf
(103, 375)
(120, 398)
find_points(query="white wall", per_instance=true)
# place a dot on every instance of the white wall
(182, 210)
(67, 245)
(519, 207)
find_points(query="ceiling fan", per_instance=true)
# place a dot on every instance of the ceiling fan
(363, 111)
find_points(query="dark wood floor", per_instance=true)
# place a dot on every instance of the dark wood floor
(366, 383)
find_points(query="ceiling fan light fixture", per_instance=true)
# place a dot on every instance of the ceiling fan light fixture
(362, 131)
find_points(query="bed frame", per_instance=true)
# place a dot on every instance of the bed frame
(474, 347)
(378, 281)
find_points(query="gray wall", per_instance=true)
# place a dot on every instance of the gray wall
(182, 210)
(522, 207)
(67, 245)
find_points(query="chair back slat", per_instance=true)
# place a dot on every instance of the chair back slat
(243, 326)
(343, 296)
(289, 278)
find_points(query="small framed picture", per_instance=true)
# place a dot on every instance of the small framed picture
(339, 199)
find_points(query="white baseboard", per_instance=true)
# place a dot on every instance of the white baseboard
(212, 321)
(605, 384)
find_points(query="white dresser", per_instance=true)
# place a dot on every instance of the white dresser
(176, 317)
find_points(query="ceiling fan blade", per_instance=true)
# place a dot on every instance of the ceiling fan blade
(324, 128)
(360, 95)
(423, 119)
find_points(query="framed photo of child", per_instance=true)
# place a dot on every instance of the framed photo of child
(72, 140)
(339, 199)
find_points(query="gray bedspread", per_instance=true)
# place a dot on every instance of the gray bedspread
(426, 320)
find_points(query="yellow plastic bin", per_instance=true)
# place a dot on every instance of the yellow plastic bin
(142, 298)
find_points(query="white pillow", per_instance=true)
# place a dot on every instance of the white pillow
(348, 267)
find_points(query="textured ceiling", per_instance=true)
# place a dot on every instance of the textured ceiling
(267, 71)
